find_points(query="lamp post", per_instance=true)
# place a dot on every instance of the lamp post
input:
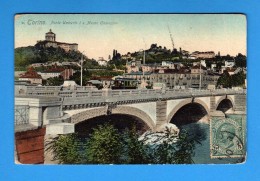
(200, 76)
(81, 66)
(143, 82)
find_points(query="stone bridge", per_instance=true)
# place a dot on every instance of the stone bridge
(59, 110)
(42, 113)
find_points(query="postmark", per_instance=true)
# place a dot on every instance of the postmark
(227, 138)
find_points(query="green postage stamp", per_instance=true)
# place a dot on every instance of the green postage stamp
(227, 137)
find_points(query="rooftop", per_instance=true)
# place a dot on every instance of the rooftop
(31, 73)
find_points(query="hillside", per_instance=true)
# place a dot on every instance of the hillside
(25, 56)
(155, 54)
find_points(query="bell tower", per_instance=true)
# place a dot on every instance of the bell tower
(50, 36)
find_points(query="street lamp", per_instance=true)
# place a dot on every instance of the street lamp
(143, 82)
(81, 66)
(200, 76)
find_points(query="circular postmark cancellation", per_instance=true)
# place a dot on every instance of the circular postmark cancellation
(226, 138)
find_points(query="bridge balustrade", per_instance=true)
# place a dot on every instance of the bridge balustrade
(82, 92)
(65, 94)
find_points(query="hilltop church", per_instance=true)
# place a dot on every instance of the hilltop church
(50, 41)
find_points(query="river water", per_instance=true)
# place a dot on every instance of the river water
(201, 131)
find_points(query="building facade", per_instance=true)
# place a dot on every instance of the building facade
(176, 79)
(197, 54)
(31, 76)
(50, 41)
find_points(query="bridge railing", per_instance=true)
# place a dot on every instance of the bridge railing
(85, 92)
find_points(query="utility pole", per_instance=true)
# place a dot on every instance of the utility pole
(174, 80)
(200, 76)
(143, 81)
(81, 66)
(143, 68)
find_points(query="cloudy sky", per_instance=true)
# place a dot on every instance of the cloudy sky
(98, 34)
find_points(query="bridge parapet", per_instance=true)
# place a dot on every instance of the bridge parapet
(66, 93)
(77, 99)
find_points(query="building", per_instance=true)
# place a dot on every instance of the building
(229, 63)
(56, 72)
(50, 41)
(104, 81)
(204, 55)
(176, 79)
(102, 62)
(53, 71)
(67, 73)
(31, 76)
(197, 69)
(133, 66)
(166, 63)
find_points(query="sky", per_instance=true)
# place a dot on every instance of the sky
(98, 34)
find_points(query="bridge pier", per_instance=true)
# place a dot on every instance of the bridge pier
(161, 113)
(240, 103)
(52, 131)
(48, 154)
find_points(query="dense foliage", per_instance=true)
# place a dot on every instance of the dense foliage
(104, 146)
(66, 149)
(25, 56)
(53, 81)
(107, 145)
(229, 81)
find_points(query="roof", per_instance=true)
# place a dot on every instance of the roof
(54, 69)
(102, 78)
(94, 82)
(31, 73)
(198, 67)
(58, 43)
(50, 32)
(69, 83)
(138, 73)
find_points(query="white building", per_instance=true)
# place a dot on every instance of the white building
(167, 64)
(102, 62)
(229, 63)
(45, 75)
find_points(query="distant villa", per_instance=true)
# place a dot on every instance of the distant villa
(50, 41)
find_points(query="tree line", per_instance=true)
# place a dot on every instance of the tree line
(108, 145)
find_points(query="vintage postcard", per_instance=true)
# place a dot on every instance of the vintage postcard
(130, 88)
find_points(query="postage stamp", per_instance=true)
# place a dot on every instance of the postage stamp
(227, 138)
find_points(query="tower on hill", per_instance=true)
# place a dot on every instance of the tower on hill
(50, 41)
(50, 36)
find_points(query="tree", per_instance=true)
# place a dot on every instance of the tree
(168, 148)
(135, 150)
(107, 145)
(184, 149)
(54, 81)
(227, 81)
(65, 149)
(104, 146)
(76, 77)
(240, 60)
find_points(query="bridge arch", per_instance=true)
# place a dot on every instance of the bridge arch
(132, 111)
(119, 110)
(225, 103)
(201, 106)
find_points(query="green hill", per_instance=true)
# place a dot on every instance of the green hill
(25, 56)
